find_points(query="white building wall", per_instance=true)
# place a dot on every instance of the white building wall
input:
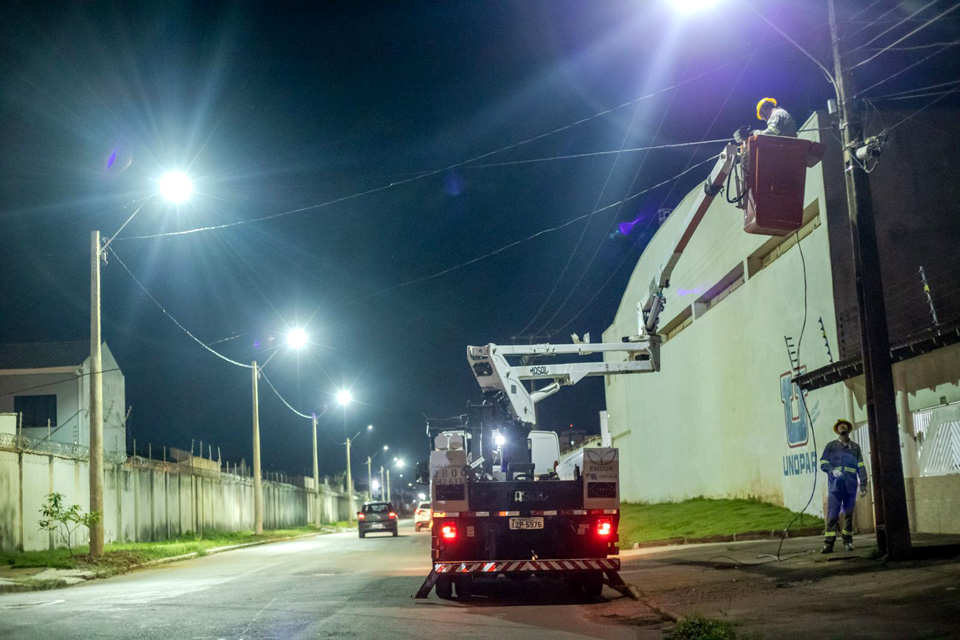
(712, 422)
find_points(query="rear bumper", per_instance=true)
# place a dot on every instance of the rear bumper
(528, 566)
(370, 527)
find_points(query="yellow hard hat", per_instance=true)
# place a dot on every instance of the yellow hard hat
(772, 101)
(839, 422)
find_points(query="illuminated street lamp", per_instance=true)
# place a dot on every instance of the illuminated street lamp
(344, 397)
(297, 338)
(175, 187)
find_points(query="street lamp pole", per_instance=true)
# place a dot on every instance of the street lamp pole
(349, 486)
(383, 484)
(389, 493)
(257, 483)
(96, 401)
(316, 475)
(369, 478)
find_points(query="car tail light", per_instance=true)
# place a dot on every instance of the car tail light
(418, 511)
(604, 527)
(392, 515)
(448, 531)
(360, 516)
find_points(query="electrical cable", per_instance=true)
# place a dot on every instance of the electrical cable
(597, 153)
(175, 321)
(583, 232)
(616, 215)
(921, 109)
(923, 26)
(907, 68)
(889, 29)
(878, 19)
(910, 91)
(533, 236)
(282, 399)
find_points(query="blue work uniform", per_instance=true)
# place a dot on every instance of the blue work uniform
(842, 491)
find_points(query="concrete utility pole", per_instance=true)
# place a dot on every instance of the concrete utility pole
(257, 479)
(369, 478)
(96, 400)
(389, 493)
(383, 484)
(890, 500)
(350, 505)
(316, 475)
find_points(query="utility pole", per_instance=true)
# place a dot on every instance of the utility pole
(369, 478)
(389, 493)
(383, 484)
(890, 500)
(96, 401)
(349, 486)
(316, 475)
(257, 480)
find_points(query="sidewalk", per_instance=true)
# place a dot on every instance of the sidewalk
(802, 595)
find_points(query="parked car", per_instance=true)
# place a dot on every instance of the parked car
(423, 516)
(377, 517)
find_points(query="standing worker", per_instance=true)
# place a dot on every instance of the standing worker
(842, 461)
(779, 122)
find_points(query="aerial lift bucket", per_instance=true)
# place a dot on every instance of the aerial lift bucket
(776, 171)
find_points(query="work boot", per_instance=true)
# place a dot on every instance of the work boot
(848, 546)
(827, 548)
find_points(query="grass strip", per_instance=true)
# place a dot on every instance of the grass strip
(701, 517)
(119, 556)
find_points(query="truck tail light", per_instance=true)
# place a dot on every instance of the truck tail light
(448, 531)
(604, 527)
(418, 511)
(392, 515)
(360, 516)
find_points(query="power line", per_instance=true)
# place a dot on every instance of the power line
(274, 389)
(523, 240)
(916, 90)
(907, 68)
(596, 153)
(175, 321)
(921, 109)
(583, 231)
(881, 17)
(923, 26)
(889, 29)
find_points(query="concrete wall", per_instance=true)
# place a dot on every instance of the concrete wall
(145, 500)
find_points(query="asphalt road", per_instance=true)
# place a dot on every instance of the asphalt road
(332, 586)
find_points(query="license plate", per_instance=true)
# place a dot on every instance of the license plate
(526, 523)
(376, 526)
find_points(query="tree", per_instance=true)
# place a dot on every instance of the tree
(65, 521)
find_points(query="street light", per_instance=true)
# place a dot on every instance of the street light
(175, 186)
(297, 338)
(344, 397)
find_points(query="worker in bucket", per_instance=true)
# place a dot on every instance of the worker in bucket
(842, 461)
(779, 122)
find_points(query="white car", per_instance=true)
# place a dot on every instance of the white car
(423, 516)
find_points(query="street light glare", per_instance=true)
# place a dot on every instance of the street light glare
(344, 397)
(400, 465)
(689, 6)
(386, 448)
(175, 186)
(297, 338)
(369, 427)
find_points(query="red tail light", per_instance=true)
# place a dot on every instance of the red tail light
(448, 531)
(418, 511)
(392, 515)
(360, 516)
(604, 527)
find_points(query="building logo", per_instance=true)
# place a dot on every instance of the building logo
(794, 416)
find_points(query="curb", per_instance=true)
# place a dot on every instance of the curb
(736, 537)
(60, 582)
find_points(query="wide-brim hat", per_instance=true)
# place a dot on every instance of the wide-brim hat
(836, 425)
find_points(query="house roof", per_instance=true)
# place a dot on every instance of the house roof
(43, 355)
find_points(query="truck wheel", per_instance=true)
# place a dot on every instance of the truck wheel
(464, 587)
(593, 584)
(444, 588)
(574, 586)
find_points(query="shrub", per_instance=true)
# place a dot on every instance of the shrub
(65, 520)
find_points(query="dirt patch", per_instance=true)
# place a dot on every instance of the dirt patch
(110, 563)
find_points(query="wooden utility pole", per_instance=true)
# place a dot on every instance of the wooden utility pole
(370, 478)
(316, 475)
(890, 500)
(96, 401)
(257, 479)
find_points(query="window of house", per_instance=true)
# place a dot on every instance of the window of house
(36, 410)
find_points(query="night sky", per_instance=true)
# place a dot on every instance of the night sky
(360, 126)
